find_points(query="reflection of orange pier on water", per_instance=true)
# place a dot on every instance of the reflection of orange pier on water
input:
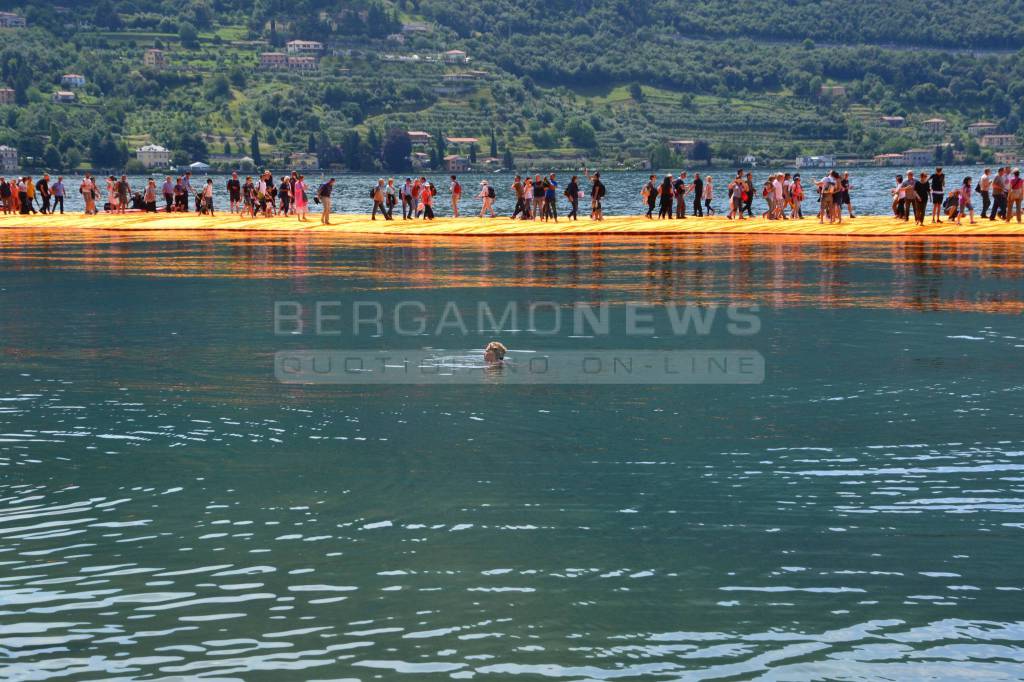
(864, 226)
(904, 272)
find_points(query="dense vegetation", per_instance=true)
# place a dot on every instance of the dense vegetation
(565, 79)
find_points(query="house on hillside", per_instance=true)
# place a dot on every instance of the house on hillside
(305, 161)
(888, 159)
(416, 27)
(7, 95)
(153, 156)
(419, 137)
(979, 128)
(420, 160)
(462, 141)
(64, 97)
(304, 46)
(455, 57)
(11, 20)
(918, 157)
(681, 146)
(8, 159)
(303, 63)
(999, 141)
(154, 58)
(832, 91)
(453, 163)
(273, 60)
(72, 80)
(893, 121)
(935, 126)
(823, 161)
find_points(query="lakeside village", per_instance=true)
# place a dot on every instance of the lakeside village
(408, 150)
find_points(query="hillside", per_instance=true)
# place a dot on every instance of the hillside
(610, 81)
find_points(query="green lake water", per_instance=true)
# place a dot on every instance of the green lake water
(170, 510)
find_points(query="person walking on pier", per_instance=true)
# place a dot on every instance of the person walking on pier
(649, 193)
(456, 190)
(57, 193)
(984, 186)
(234, 193)
(709, 195)
(1014, 195)
(698, 195)
(572, 193)
(597, 192)
(377, 194)
(486, 196)
(324, 194)
(998, 195)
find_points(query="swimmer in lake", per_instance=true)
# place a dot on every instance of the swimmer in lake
(494, 353)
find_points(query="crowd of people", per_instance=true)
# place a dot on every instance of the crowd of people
(1001, 196)
(251, 198)
(21, 195)
(537, 197)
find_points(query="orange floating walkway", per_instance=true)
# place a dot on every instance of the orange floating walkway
(864, 226)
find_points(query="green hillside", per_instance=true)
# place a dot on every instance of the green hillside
(609, 81)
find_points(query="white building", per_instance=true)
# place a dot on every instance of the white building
(7, 95)
(153, 156)
(11, 20)
(979, 128)
(72, 80)
(8, 159)
(64, 97)
(300, 46)
(918, 157)
(999, 141)
(824, 161)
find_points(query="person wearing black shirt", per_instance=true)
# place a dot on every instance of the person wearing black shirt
(921, 189)
(234, 192)
(698, 192)
(938, 185)
(43, 190)
(5, 195)
(665, 192)
(597, 192)
(572, 193)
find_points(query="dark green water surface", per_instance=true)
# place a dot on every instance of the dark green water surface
(169, 510)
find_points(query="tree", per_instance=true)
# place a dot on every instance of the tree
(636, 92)
(472, 153)
(254, 149)
(509, 161)
(52, 158)
(442, 148)
(494, 145)
(188, 35)
(581, 133)
(396, 150)
(701, 151)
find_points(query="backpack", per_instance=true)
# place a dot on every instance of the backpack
(490, 192)
(373, 191)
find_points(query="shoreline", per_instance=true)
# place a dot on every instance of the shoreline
(862, 226)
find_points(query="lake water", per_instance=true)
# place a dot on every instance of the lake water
(169, 510)
(870, 192)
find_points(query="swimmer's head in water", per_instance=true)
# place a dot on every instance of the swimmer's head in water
(495, 352)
